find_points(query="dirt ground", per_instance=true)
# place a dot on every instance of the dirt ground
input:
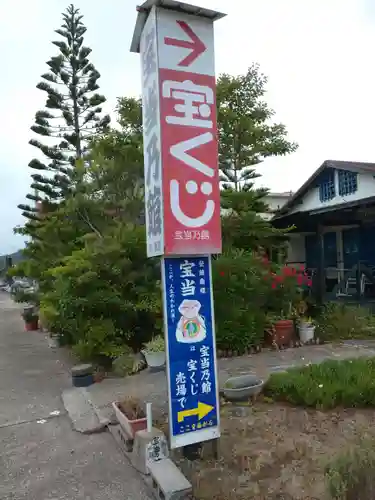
(271, 451)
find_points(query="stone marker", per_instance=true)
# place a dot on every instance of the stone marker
(148, 447)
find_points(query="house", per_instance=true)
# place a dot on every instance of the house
(333, 213)
(275, 202)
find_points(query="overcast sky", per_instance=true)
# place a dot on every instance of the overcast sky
(319, 56)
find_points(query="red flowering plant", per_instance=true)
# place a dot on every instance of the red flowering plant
(247, 289)
(287, 285)
(241, 293)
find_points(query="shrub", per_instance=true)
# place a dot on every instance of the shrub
(287, 284)
(157, 344)
(341, 321)
(348, 383)
(98, 338)
(246, 288)
(106, 296)
(351, 475)
(240, 294)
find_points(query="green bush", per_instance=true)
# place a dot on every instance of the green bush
(351, 475)
(247, 288)
(341, 321)
(347, 383)
(106, 296)
(240, 294)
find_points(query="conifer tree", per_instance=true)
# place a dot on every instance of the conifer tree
(72, 116)
(246, 134)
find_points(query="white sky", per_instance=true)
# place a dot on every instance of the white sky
(318, 55)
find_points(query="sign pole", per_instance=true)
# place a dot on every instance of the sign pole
(182, 202)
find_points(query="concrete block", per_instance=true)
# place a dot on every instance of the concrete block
(168, 481)
(122, 439)
(81, 412)
(148, 447)
(106, 415)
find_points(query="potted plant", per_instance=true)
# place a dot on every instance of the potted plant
(130, 416)
(281, 330)
(154, 352)
(306, 329)
(31, 318)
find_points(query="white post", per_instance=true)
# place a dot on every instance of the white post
(149, 416)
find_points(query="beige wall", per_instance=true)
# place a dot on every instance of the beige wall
(296, 249)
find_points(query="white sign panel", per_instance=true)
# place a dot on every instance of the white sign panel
(185, 43)
(151, 138)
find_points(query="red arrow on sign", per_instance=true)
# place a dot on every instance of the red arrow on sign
(196, 45)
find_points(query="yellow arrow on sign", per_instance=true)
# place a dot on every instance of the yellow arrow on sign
(201, 411)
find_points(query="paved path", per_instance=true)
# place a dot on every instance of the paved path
(41, 457)
(152, 386)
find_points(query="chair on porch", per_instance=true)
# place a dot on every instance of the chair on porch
(351, 285)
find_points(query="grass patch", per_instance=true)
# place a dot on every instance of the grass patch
(348, 383)
(338, 321)
(351, 475)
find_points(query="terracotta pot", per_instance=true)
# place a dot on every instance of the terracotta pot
(31, 325)
(130, 427)
(99, 376)
(283, 332)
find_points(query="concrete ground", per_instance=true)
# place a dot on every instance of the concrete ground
(152, 387)
(41, 457)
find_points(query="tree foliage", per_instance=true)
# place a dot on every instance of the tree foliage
(72, 116)
(98, 290)
(106, 294)
(246, 134)
(242, 225)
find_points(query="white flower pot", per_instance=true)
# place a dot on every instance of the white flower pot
(154, 359)
(306, 332)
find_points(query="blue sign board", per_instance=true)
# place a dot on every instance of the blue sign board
(191, 357)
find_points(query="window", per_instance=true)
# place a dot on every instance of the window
(347, 182)
(327, 188)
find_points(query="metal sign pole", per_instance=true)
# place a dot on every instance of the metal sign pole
(182, 200)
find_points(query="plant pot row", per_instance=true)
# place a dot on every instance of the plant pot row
(281, 335)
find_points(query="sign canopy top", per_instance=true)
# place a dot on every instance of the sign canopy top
(183, 8)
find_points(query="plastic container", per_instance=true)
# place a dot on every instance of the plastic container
(82, 380)
(306, 333)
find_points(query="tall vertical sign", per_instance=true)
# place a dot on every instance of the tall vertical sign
(191, 354)
(182, 201)
(189, 134)
(180, 137)
(152, 138)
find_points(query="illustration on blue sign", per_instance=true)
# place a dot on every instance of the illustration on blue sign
(189, 319)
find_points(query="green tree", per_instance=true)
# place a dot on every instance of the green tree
(117, 171)
(243, 227)
(246, 134)
(72, 116)
(97, 287)
(106, 295)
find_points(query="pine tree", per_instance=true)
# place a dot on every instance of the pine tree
(246, 136)
(71, 118)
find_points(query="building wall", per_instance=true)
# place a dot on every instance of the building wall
(296, 249)
(344, 246)
(311, 201)
(275, 201)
